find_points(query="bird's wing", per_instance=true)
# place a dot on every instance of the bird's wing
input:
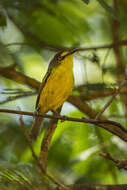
(41, 87)
(53, 63)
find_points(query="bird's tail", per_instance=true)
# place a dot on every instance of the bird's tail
(36, 127)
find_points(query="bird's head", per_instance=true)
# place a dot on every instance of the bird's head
(61, 57)
(64, 54)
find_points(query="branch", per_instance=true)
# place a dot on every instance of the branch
(63, 118)
(82, 106)
(111, 99)
(102, 94)
(44, 173)
(41, 43)
(91, 48)
(85, 108)
(11, 73)
(111, 126)
(12, 98)
(97, 187)
(118, 52)
(47, 140)
(121, 164)
(118, 55)
(3, 188)
(106, 46)
(17, 44)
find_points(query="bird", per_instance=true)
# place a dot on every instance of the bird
(55, 88)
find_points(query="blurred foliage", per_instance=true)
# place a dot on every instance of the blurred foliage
(86, 1)
(2, 20)
(108, 8)
(30, 34)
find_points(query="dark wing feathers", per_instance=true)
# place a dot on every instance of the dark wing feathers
(41, 87)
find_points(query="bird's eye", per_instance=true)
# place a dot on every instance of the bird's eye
(59, 58)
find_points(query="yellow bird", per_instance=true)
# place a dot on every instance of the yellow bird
(55, 88)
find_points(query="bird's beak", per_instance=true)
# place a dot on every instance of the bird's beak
(73, 51)
(70, 53)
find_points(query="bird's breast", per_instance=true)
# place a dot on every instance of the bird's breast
(57, 88)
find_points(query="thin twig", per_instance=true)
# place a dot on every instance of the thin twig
(100, 47)
(17, 44)
(12, 98)
(121, 164)
(111, 99)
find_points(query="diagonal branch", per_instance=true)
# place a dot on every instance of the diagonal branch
(11, 73)
(47, 140)
(121, 164)
(111, 99)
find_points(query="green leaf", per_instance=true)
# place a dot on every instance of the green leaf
(109, 9)
(86, 1)
(2, 20)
